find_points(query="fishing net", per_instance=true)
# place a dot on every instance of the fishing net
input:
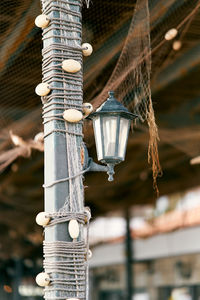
(131, 77)
(129, 51)
(132, 73)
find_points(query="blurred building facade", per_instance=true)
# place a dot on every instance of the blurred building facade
(165, 266)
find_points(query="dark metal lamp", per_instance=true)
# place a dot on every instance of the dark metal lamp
(111, 123)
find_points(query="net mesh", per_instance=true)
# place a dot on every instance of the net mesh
(131, 75)
(129, 46)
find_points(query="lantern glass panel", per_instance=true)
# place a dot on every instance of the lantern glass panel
(109, 135)
(98, 137)
(123, 137)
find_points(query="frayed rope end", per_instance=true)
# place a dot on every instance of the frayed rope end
(153, 156)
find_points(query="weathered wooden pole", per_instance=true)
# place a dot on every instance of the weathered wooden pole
(65, 255)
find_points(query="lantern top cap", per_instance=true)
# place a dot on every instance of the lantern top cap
(112, 106)
(111, 95)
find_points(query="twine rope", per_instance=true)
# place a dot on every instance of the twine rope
(68, 259)
(62, 217)
(65, 179)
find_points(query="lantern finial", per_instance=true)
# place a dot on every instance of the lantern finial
(111, 95)
(110, 171)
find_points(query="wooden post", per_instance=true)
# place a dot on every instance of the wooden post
(57, 148)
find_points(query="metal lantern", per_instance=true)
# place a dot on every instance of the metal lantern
(111, 123)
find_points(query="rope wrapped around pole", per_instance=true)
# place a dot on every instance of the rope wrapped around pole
(66, 245)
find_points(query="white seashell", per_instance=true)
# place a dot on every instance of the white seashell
(42, 89)
(42, 219)
(42, 279)
(88, 51)
(42, 21)
(87, 108)
(39, 137)
(171, 34)
(88, 212)
(89, 254)
(73, 229)
(71, 65)
(72, 115)
(177, 45)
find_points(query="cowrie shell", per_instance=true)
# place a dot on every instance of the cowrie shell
(42, 89)
(71, 65)
(72, 115)
(42, 21)
(42, 279)
(73, 229)
(88, 51)
(41, 219)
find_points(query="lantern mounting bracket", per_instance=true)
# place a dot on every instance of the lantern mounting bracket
(94, 167)
(91, 166)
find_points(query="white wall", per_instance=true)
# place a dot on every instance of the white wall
(185, 241)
